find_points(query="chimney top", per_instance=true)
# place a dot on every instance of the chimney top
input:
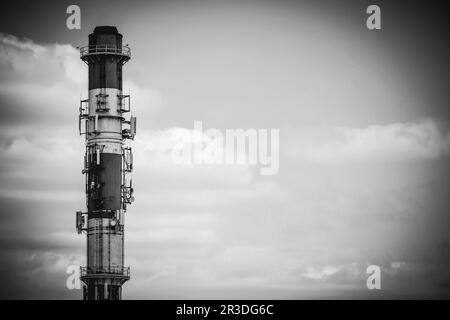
(106, 30)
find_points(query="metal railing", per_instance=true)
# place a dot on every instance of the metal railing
(105, 49)
(93, 271)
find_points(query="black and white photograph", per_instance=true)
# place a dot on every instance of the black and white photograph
(218, 150)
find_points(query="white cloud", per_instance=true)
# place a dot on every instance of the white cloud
(376, 143)
(23, 61)
(322, 273)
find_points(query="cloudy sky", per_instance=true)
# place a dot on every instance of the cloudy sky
(364, 148)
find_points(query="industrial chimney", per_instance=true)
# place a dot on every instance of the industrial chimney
(106, 122)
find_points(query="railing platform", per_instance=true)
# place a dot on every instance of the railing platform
(90, 51)
(105, 272)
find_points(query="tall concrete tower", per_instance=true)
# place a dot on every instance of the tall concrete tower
(107, 124)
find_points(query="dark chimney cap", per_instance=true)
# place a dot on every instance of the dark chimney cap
(106, 30)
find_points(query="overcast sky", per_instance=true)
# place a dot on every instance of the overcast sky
(364, 148)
